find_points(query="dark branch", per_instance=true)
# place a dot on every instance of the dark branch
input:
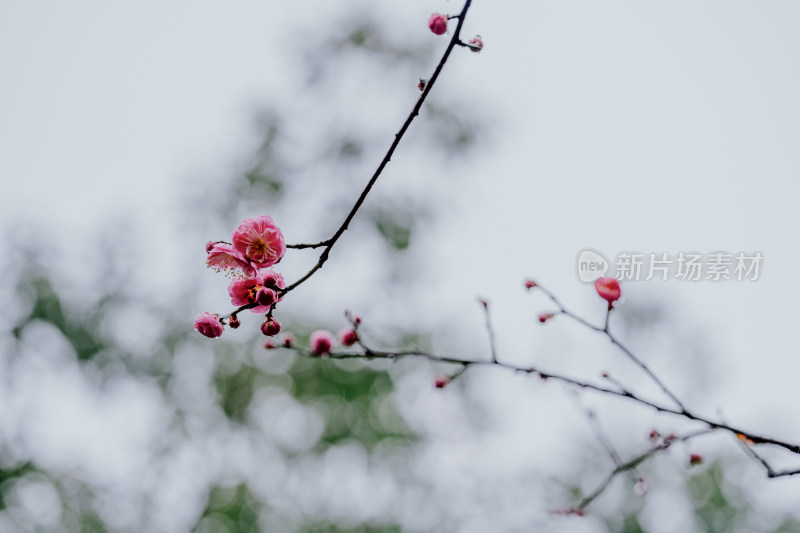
(330, 243)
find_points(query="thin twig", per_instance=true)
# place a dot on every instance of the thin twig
(485, 304)
(330, 243)
(604, 330)
(633, 463)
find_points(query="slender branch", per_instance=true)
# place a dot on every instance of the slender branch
(771, 472)
(604, 330)
(635, 462)
(485, 305)
(330, 243)
(302, 246)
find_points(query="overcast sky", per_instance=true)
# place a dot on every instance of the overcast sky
(620, 126)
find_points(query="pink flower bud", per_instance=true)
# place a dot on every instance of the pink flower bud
(476, 44)
(357, 320)
(529, 284)
(654, 435)
(266, 297)
(234, 322)
(544, 317)
(321, 342)
(208, 324)
(269, 345)
(348, 337)
(608, 289)
(441, 381)
(695, 459)
(422, 83)
(270, 327)
(287, 339)
(438, 23)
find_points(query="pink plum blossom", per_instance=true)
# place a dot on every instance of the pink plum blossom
(246, 291)
(208, 324)
(222, 256)
(321, 342)
(259, 241)
(438, 23)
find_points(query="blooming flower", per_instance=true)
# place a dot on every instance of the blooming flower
(608, 289)
(259, 241)
(321, 342)
(208, 324)
(438, 23)
(258, 289)
(222, 256)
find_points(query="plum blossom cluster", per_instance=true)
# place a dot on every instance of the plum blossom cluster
(256, 246)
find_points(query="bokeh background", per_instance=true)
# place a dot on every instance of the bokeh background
(133, 133)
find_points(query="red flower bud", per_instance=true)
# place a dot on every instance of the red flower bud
(270, 327)
(266, 297)
(438, 23)
(608, 289)
(441, 381)
(544, 317)
(348, 337)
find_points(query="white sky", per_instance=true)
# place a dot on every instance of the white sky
(655, 127)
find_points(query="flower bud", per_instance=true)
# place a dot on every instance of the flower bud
(348, 337)
(266, 297)
(287, 339)
(544, 317)
(438, 23)
(321, 342)
(529, 284)
(270, 327)
(476, 44)
(234, 322)
(608, 289)
(441, 381)
(208, 324)
(695, 459)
